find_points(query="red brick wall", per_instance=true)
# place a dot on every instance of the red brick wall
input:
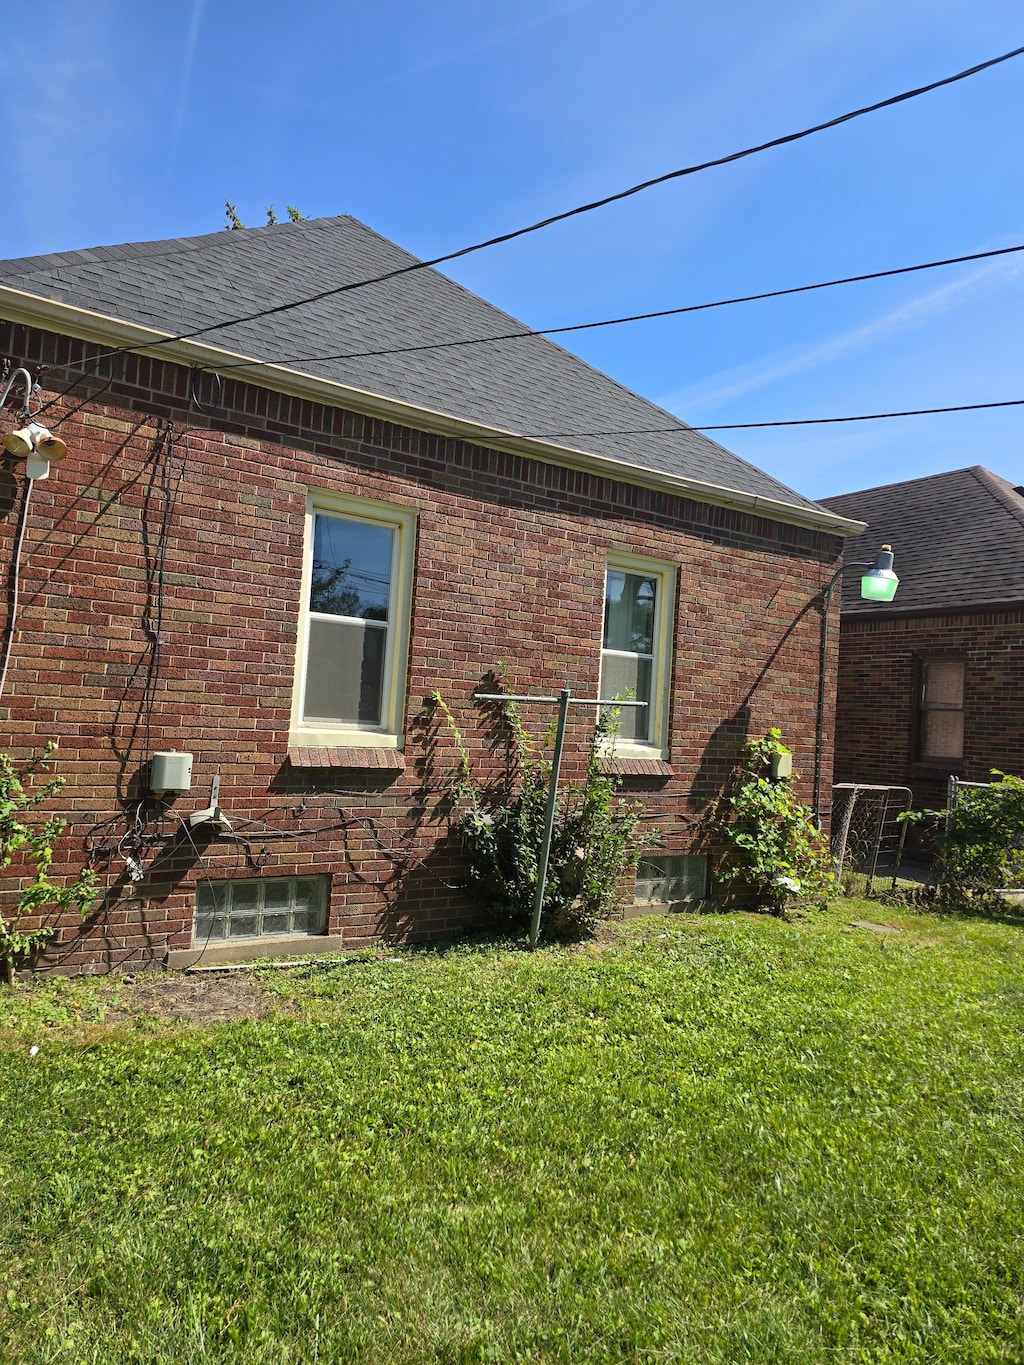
(509, 568)
(875, 722)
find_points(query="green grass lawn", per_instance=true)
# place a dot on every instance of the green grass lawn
(710, 1139)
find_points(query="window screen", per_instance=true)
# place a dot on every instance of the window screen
(941, 726)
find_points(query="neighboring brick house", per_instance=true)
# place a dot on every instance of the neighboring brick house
(268, 548)
(933, 684)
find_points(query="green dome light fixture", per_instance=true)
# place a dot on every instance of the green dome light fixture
(879, 584)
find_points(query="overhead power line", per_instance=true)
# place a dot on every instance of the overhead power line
(749, 426)
(526, 333)
(589, 207)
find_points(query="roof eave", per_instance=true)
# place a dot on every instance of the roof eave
(873, 612)
(33, 310)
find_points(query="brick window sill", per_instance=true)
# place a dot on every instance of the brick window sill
(637, 767)
(319, 756)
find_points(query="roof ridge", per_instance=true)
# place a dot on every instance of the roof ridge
(1012, 501)
(161, 248)
(234, 290)
(901, 483)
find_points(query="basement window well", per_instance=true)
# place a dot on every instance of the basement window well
(267, 907)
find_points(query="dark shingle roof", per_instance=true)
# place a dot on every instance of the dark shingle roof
(958, 540)
(530, 387)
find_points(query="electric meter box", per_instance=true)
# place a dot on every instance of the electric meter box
(782, 766)
(170, 771)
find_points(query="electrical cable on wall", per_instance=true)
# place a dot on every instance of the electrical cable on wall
(12, 619)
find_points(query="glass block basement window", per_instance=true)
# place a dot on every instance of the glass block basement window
(661, 881)
(255, 909)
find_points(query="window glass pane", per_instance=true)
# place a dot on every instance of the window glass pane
(629, 611)
(307, 891)
(276, 922)
(344, 671)
(276, 895)
(210, 896)
(944, 682)
(209, 927)
(628, 674)
(244, 897)
(943, 734)
(307, 915)
(243, 926)
(351, 568)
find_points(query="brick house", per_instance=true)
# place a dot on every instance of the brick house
(271, 541)
(932, 684)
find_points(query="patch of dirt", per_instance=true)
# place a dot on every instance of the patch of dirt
(193, 999)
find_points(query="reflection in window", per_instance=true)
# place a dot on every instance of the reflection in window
(351, 568)
(349, 598)
(627, 659)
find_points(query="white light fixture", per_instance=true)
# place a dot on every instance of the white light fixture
(38, 446)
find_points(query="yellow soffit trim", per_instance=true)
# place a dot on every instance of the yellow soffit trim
(21, 307)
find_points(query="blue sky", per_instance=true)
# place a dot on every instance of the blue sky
(439, 124)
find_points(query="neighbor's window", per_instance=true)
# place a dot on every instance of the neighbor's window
(664, 880)
(941, 712)
(352, 648)
(253, 909)
(636, 652)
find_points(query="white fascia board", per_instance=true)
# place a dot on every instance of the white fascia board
(18, 306)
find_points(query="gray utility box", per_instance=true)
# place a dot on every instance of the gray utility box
(170, 771)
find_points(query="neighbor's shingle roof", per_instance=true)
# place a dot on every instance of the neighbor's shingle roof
(958, 540)
(531, 387)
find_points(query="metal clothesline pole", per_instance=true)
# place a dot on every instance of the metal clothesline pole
(562, 701)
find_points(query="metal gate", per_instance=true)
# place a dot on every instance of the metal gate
(869, 834)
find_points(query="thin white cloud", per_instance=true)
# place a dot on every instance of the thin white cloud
(713, 392)
(60, 125)
(185, 84)
(502, 35)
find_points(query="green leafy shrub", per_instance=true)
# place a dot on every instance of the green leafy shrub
(20, 933)
(595, 843)
(773, 846)
(980, 842)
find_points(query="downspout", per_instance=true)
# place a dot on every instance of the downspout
(819, 726)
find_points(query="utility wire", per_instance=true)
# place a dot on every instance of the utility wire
(793, 422)
(584, 208)
(12, 619)
(633, 317)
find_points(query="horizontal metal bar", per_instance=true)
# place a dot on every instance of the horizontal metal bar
(553, 701)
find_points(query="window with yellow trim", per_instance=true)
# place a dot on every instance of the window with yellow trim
(636, 653)
(353, 637)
